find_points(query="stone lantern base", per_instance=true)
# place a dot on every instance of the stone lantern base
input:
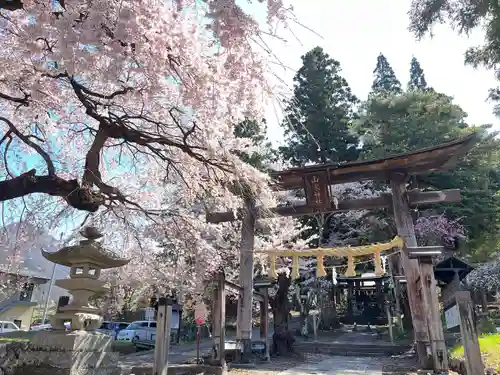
(68, 353)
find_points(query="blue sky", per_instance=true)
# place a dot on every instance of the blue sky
(355, 32)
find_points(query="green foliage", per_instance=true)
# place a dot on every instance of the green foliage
(486, 325)
(385, 81)
(417, 76)
(489, 344)
(396, 124)
(464, 16)
(261, 154)
(316, 125)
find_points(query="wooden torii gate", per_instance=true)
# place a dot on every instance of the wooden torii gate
(316, 179)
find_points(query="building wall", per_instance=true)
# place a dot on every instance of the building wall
(19, 312)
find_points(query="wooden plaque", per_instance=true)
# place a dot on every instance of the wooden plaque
(316, 188)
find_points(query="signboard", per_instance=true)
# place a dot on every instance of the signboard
(149, 314)
(452, 317)
(200, 313)
(316, 188)
(174, 324)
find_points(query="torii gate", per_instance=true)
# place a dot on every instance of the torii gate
(316, 179)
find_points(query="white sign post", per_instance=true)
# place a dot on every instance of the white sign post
(149, 314)
(452, 317)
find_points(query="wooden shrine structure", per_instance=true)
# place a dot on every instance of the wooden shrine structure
(365, 299)
(449, 274)
(259, 294)
(364, 296)
(315, 181)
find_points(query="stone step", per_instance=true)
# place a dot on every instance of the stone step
(342, 349)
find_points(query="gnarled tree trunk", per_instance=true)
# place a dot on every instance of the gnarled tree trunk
(282, 338)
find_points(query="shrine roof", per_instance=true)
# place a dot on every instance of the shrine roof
(425, 160)
(445, 270)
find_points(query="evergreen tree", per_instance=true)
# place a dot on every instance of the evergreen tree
(413, 120)
(318, 116)
(385, 81)
(417, 76)
(317, 124)
(256, 131)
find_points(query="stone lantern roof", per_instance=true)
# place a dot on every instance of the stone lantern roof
(87, 251)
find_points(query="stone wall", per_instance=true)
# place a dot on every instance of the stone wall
(25, 359)
(11, 355)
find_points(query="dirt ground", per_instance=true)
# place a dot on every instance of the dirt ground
(399, 365)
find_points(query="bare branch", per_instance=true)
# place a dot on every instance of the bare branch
(50, 165)
(22, 101)
(29, 183)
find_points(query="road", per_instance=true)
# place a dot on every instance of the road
(177, 353)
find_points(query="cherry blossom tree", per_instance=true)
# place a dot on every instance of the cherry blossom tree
(486, 277)
(113, 106)
(438, 229)
(121, 114)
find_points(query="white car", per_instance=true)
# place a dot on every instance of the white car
(48, 326)
(135, 330)
(41, 327)
(6, 326)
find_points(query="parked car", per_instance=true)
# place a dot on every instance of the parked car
(112, 328)
(39, 322)
(6, 326)
(136, 330)
(41, 327)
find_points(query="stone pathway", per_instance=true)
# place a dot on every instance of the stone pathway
(338, 366)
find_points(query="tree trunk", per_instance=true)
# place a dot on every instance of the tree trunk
(282, 337)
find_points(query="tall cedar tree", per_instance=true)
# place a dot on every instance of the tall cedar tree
(385, 81)
(316, 126)
(317, 122)
(417, 76)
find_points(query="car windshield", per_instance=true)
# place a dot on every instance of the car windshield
(133, 326)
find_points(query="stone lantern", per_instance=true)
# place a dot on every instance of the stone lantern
(83, 351)
(86, 260)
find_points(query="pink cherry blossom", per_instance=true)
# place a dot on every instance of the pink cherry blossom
(121, 114)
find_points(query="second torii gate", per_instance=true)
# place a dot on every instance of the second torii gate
(315, 180)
